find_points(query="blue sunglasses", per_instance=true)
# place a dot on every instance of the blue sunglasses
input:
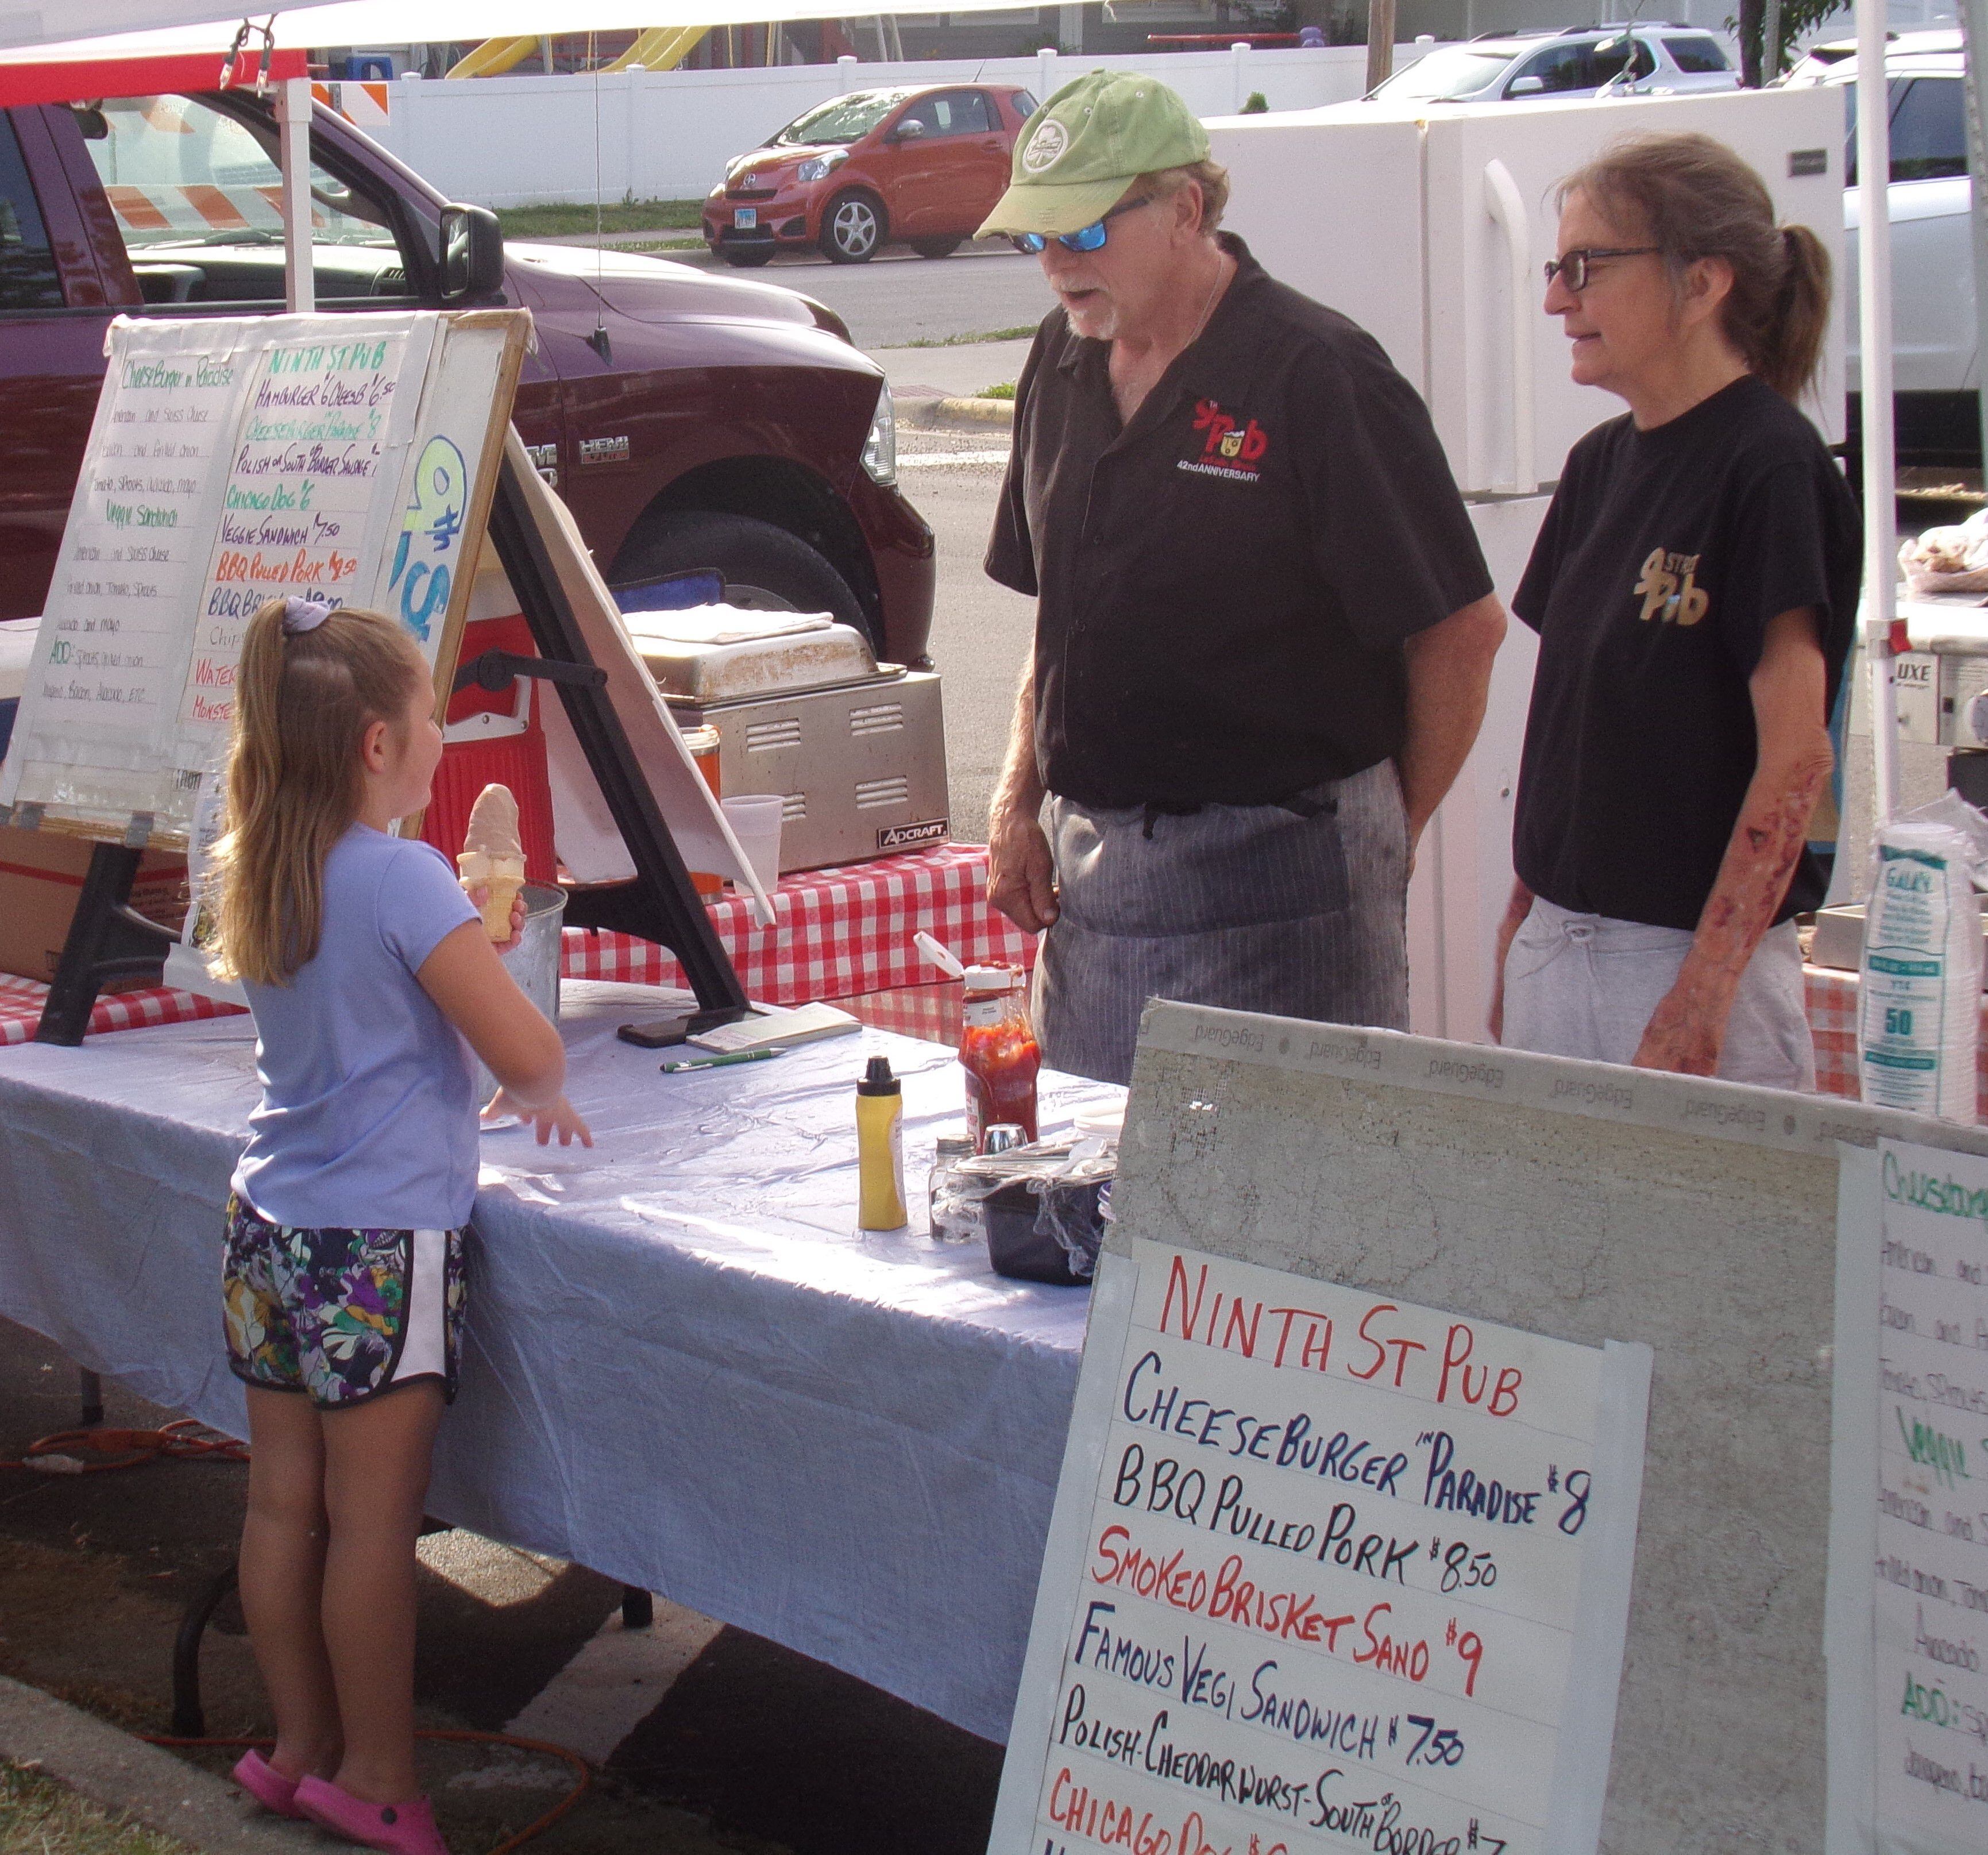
(1087, 238)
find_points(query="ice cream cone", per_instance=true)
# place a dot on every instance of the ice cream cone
(492, 854)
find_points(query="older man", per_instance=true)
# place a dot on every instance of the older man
(1263, 626)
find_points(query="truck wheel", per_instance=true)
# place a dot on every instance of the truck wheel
(765, 569)
(936, 248)
(852, 229)
(745, 257)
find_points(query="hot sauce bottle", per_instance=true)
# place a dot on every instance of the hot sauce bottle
(998, 1051)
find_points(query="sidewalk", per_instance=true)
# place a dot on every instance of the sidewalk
(125, 1775)
(951, 373)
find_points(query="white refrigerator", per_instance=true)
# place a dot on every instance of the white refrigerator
(1431, 231)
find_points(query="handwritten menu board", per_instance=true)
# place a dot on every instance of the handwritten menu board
(344, 457)
(1328, 1571)
(1929, 1618)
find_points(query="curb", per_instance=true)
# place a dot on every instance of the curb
(124, 1774)
(957, 412)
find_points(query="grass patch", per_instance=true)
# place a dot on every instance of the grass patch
(1005, 390)
(38, 1816)
(963, 341)
(571, 217)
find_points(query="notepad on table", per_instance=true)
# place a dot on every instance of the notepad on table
(803, 1024)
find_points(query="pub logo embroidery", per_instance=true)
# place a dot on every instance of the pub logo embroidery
(1044, 146)
(1229, 448)
(1669, 589)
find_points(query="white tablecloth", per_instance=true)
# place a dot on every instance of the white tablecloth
(686, 1367)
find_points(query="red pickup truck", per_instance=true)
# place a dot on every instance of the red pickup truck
(689, 421)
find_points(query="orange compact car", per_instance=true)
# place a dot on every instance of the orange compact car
(920, 167)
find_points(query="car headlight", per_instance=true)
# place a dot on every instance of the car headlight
(820, 167)
(880, 448)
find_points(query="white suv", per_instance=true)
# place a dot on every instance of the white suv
(1935, 371)
(1645, 60)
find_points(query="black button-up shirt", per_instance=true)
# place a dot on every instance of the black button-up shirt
(1223, 585)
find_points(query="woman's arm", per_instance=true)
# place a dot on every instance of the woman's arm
(469, 984)
(1687, 1030)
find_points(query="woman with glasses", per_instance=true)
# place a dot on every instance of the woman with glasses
(1695, 589)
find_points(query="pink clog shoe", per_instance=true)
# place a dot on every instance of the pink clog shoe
(401, 1828)
(266, 1785)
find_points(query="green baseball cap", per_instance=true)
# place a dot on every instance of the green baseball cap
(1078, 154)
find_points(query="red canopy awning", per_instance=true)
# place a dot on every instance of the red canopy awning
(26, 79)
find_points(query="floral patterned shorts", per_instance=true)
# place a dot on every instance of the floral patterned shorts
(341, 1314)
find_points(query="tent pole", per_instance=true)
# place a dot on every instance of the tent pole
(1974, 41)
(1874, 341)
(293, 115)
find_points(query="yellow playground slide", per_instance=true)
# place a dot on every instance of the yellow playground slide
(494, 57)
(661, 48)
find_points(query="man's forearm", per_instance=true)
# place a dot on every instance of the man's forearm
(1449, 675)
(1018, 793)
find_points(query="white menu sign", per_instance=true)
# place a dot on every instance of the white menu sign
(233, 461)
(1930, 1615)
(1328, 1571)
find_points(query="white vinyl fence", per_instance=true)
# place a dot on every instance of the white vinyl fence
(515, 141)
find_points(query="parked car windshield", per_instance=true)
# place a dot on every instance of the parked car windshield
(844, 119)
(1459, 71)
(178, 172)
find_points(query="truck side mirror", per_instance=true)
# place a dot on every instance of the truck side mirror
(472, 253)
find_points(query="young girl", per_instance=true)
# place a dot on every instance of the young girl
(372, 980)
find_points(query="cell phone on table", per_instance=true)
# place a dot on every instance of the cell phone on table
(661, 1032)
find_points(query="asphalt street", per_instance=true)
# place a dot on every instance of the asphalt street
(899, 297)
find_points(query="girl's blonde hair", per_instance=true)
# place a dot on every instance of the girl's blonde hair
(303, 701)
(1694, 197)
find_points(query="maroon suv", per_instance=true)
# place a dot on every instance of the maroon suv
(688, 421)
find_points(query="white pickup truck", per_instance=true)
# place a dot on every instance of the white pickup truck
(1936, 371)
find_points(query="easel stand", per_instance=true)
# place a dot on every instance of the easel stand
(661, 904)
(107, 939)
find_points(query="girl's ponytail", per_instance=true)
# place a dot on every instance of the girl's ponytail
(307, 688)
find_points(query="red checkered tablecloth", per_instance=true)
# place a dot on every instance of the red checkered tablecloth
(839, 932)
(1832, 1022)
(20, 1008)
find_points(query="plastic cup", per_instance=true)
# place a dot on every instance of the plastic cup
(755, 819)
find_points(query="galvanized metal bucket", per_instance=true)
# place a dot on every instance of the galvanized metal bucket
(534, 962)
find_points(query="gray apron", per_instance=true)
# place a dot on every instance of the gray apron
(1254, 907)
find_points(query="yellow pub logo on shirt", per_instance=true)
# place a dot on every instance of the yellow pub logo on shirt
(1668, 590)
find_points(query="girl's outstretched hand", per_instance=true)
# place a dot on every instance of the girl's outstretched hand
(556, 1117)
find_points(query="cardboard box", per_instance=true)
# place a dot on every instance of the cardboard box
(41, 880)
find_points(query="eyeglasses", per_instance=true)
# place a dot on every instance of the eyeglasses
(1572, 270)
(1087, 238)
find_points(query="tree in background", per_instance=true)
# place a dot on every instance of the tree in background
(1797, 17)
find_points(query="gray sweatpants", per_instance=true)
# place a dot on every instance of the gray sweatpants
(1586, 985)
(1249, 907)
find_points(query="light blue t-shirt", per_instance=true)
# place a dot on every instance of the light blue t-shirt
(368, 1119)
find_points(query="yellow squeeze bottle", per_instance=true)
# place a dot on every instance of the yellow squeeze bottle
(879, 1148)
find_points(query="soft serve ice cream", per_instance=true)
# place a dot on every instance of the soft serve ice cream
(492, 853)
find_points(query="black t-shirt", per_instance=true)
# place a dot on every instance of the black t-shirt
(1664, 556)
(1224, 585)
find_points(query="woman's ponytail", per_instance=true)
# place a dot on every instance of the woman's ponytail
(1790, 344)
